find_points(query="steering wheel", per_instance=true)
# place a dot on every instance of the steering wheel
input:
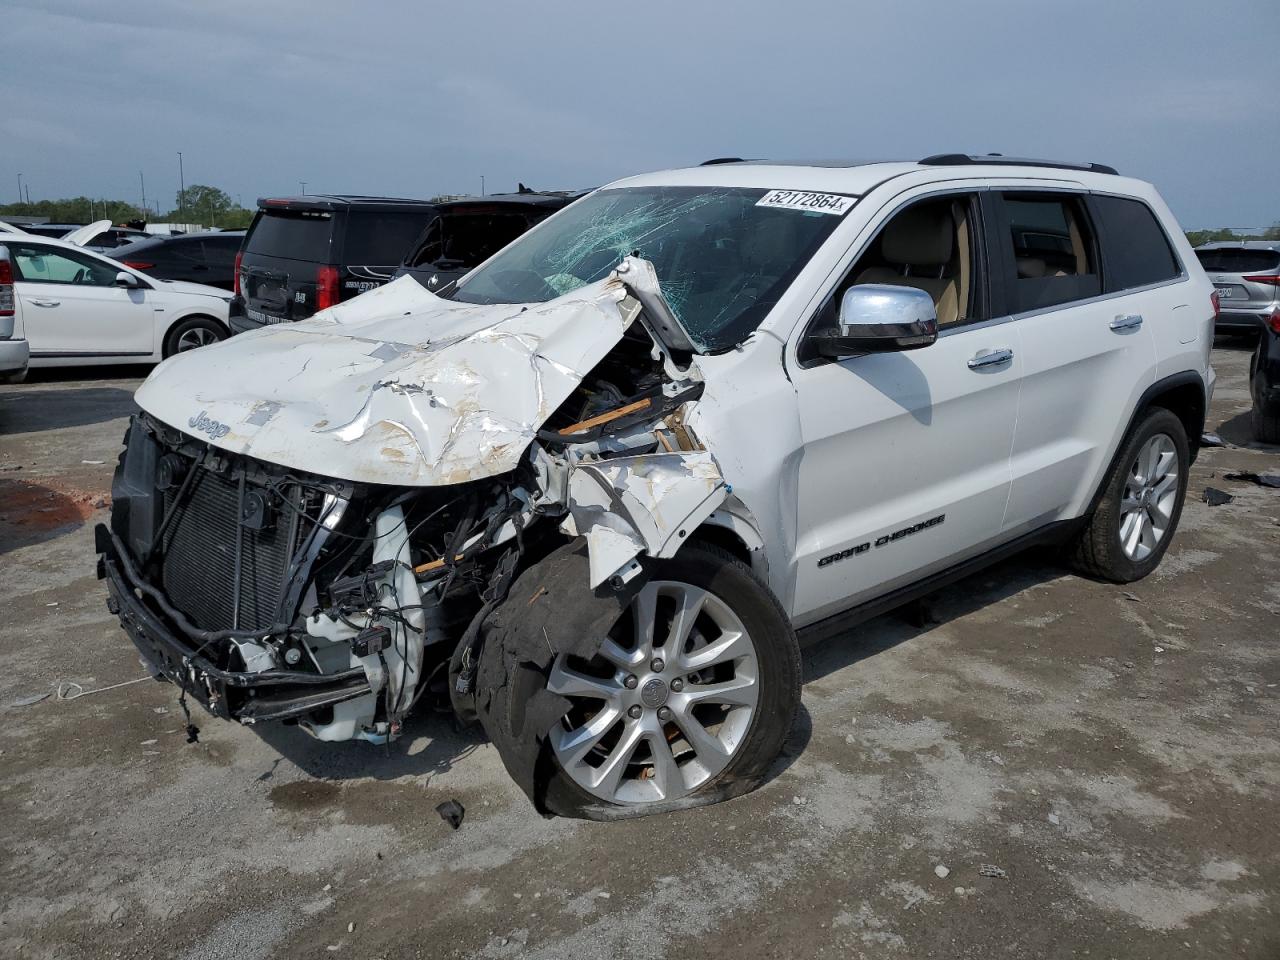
(82, 275)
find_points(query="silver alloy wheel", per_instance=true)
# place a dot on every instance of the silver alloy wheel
(659, 714)
(196, 337)
(1150, 494)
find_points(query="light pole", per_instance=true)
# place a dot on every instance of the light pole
(303, 185)
(482, 184)
(143, 183)
(182, 190)
(19, 188)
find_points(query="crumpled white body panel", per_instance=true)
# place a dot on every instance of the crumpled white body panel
(647, 503)
(397, 386)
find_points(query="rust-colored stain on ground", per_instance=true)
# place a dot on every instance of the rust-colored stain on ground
(27, 507)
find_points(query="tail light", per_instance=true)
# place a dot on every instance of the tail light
(235, 278)
(137, 264)
(1271, 278)
(1273, 321)
(6, 289)
(1217, 305)
(326, 287)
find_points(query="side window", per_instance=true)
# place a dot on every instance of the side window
(1136, 247)
(931, 245)
(1054, 254)
(49, 265)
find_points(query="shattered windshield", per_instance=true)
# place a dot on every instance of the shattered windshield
(722, 258)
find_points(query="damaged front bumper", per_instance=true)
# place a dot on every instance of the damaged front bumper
(177, 654)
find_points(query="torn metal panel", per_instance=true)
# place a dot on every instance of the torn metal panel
(397, 386)
(647, 503)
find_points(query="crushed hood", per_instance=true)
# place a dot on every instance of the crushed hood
(397, 386)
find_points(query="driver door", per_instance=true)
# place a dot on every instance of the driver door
(73, 308)
(906, 468)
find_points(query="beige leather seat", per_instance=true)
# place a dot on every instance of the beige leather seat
(920, 242)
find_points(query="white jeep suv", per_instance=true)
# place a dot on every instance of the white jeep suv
(596, 492)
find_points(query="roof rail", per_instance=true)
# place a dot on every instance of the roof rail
(712, 163)
(963, 159)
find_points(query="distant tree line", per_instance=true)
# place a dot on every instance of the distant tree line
(1198, 237)
(196, 204)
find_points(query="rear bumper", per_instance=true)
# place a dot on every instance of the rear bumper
(238, 321)
(174, 654)
(14, 356)
(1242, 321)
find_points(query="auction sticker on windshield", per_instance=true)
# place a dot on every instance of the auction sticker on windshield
(802, 200)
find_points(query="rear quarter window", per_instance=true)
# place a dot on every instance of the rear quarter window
(292, 234)
(381, 239)
(1239, 260)
(1135, 249)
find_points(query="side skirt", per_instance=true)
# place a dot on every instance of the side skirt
(1055, 533)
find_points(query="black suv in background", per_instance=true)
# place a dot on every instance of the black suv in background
(198, 257)
(469, 230)
(303, 254)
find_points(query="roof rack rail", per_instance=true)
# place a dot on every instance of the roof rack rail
(712, 163)
(963, 159)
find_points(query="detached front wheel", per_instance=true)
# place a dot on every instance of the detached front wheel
(688, 700)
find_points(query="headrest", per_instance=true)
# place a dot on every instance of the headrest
(1031, 267)
(922, 236)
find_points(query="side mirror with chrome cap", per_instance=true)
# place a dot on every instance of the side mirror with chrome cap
(880, 318)
(126, 279)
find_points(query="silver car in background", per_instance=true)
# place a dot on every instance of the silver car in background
(1246, 274)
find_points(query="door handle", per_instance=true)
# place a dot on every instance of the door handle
(990, 358)
(1127, 321)
(42, 302)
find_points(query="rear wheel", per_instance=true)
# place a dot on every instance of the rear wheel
(1266, 429)
(1141, 503)
(193, 333)
(691, 695)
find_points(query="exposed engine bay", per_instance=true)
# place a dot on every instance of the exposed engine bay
(282, 555)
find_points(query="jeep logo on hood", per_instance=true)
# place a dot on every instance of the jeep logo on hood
(212, 428)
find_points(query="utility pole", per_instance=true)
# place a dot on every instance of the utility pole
(303, 185)
(143, 183)
(28, 189)
(19, 188)
(182, 191)
(482, 184)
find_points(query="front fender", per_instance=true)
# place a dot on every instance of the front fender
(649, 503)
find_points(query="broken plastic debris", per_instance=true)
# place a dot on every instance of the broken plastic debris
(942, 871)
(451, 812)
(1261, 479)
(1053, 818)
(991, 870)
(1215, 497)
(28, 701)
(1132, 596)
(1211, 440)
(94, 463)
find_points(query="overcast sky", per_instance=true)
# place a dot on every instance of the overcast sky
(415, 98)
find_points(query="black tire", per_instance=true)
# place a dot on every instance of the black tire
(202, 327)
(1097, 551)
(778, 654)
(1266, 429)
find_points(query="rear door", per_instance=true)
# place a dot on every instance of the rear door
(283, 254)
(71, 306)
(1087, 346)
(219, 258)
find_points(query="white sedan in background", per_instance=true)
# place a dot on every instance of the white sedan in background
(75, 307)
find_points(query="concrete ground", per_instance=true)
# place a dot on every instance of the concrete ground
(1114, 752)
